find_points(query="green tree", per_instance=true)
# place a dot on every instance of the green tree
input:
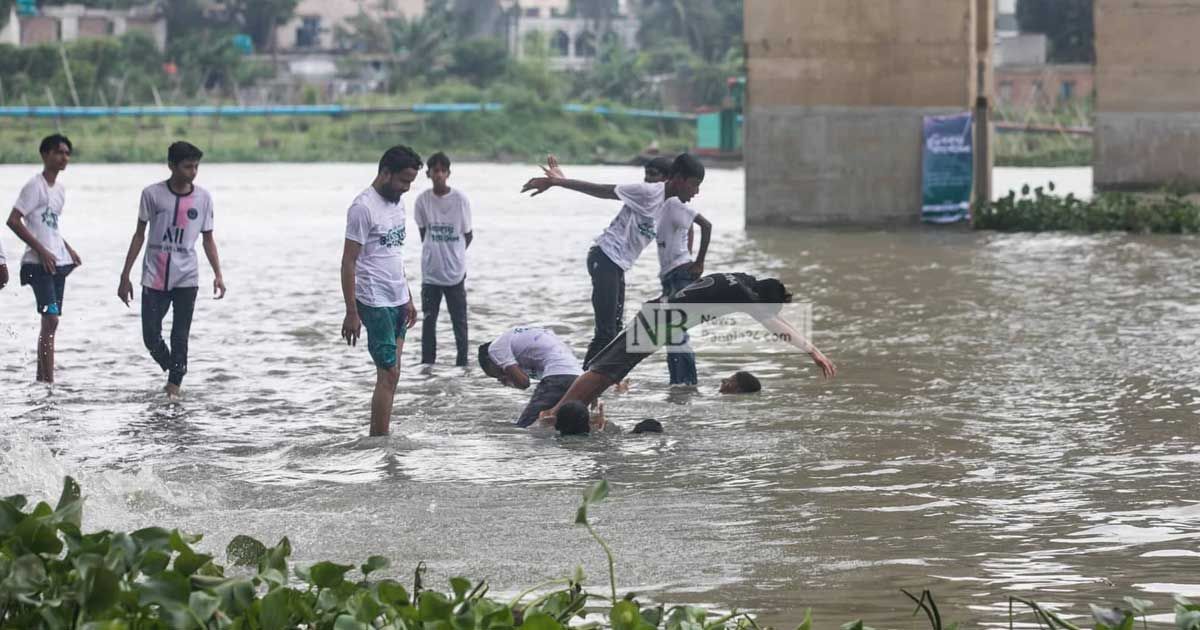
(710, 27)
(1068, 25)
(260, 18)
(479, 61)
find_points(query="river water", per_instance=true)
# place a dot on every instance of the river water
(1014, 414)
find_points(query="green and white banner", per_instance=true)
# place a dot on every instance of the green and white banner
(946, 169)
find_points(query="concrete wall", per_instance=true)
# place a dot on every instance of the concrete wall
(836, 94)
(1147, 94)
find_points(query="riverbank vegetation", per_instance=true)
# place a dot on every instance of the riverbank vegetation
(525, 130)
(53, 575)
(1040, 210)
(694, 47)
(1053, 138)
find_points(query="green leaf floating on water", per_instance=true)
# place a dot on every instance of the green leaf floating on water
(328, 574)
(245, 551)
(540, 621)
(373, 564)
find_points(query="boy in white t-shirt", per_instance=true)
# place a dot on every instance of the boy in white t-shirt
(373, 283)
(48, 258)
(622, 242)
(529, 353)
(177, 212)
(443, 216)
(676, 270)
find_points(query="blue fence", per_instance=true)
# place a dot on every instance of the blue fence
(234, 111)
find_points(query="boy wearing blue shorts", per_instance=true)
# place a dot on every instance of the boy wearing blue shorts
(373, 283)
(48, 259)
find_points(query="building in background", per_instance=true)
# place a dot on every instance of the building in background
(52, 24)
(1024, 80)
(315, 23)
(573, 40)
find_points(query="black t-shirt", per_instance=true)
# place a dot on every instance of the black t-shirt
(734, 292)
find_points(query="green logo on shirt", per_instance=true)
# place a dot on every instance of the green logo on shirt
(442, 233)
(393, 237)
(50, 219)
(647, 229)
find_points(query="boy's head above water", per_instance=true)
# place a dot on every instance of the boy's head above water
(740, 383)
(573, 418)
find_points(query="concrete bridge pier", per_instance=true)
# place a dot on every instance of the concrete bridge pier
(836, 92)
(1147, 94)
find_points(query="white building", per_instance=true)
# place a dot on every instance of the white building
(1006, 18)
(314, 23)
(71, 22)
(573, 41)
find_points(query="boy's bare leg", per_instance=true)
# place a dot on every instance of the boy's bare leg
(385, 393)
(45, 349)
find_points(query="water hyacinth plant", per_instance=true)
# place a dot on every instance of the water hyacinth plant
(1044, 211)
(54, 576)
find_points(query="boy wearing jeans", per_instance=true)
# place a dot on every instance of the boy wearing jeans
(177, 213)
(443, 216)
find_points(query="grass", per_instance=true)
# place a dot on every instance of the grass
(519, 133)
(1045, 149)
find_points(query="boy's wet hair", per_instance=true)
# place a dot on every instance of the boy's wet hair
(485, 359)
(182, 151)
(398, 158)
(747, 382)
(649, 425)
(438, 159)
(573, 419)
(686, 165)
(660, 164)
(772, 291)
(51, 142)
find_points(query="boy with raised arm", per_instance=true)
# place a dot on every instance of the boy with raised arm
(177, 212)
(48, 259)
(623, 240)
(373, 284)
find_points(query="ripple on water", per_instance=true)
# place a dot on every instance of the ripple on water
(1014, 413)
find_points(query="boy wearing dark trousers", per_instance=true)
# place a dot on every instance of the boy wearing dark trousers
(177, 212)
(443, 216)
(623, 240)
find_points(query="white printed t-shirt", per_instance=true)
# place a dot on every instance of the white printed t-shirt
(538, 351)
(41, 207)
(634, 226)
(677, 218)
(446, 221)
(378, 225)
(173, 223)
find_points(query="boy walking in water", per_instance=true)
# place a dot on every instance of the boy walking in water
(373, 283)
(177, 212)
(443, 218)
(623, 241)
(48, 259)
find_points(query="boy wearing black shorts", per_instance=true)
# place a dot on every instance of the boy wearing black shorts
(48, 258)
